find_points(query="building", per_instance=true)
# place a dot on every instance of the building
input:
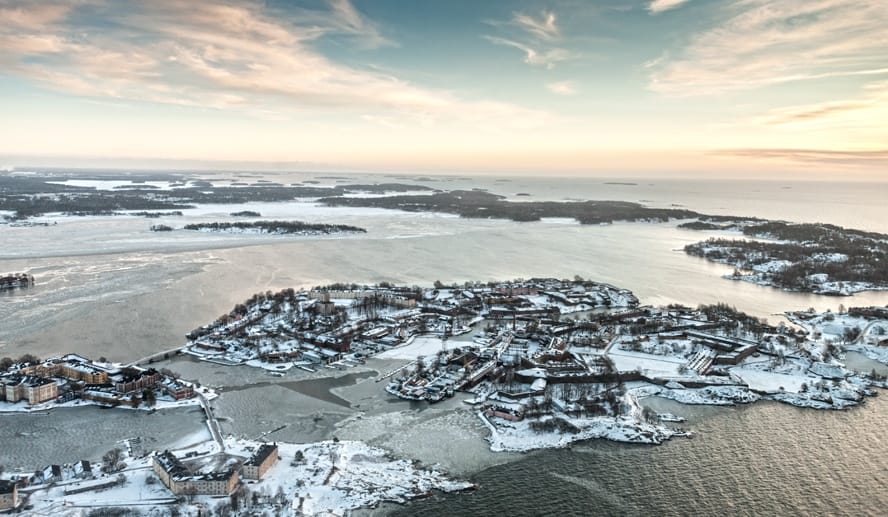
(260, 462)
(40, 390)
(137, 380)
(35, 390)
(77, 370)
(178, 390)
(8, 494)
(13, 388)
(181, 481)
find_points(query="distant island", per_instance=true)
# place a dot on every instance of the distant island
(10, 281)
(477, 203)
(275, 228)
(245, 213)
(818, 258)
(31, 196)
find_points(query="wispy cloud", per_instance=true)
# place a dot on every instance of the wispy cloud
(234, 56)
(658, 6)
(864, 113)
(833, 158)
(759, 43)
(350, 21)
(547, 58)
(544, 27)
(562, 88)
(535, 36)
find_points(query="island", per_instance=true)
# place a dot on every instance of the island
(49, 191)
(818, 258)
(11, 281)
(245, 213)
(477, 203)
(549, 361)
(275, 228)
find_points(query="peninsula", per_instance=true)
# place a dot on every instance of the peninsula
(818, 258)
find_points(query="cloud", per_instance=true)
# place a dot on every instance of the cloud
(562, 88)
(844, 158)
(868, 111)
(658, 6)
(352, 22)
(239, 56)
(533, 36)
(544, 28)
(548, 58)
(758, 43)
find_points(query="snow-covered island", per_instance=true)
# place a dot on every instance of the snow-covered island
(269, 228)
(817, 258)
(546, 362)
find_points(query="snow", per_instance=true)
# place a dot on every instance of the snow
(773, 266)
(664, 366)
(421, 346)
(769, 381)
(328, 478)
(519, 437)
(710, 395)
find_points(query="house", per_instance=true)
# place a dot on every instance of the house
(260, 462)
(53, 474)
(8, 494)
(178, 390)
(83, 469)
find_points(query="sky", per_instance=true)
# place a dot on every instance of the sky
(505, 86)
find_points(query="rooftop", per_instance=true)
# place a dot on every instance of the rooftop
(265, 450)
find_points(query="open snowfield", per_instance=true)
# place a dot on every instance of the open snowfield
(770, 381)
(421, 346)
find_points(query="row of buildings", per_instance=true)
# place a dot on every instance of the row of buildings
(73, 376)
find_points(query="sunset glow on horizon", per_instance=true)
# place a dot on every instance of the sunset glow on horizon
(521, 87)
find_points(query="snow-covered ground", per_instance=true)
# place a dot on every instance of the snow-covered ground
(771, 382)
(421, 346)
(519, 436)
